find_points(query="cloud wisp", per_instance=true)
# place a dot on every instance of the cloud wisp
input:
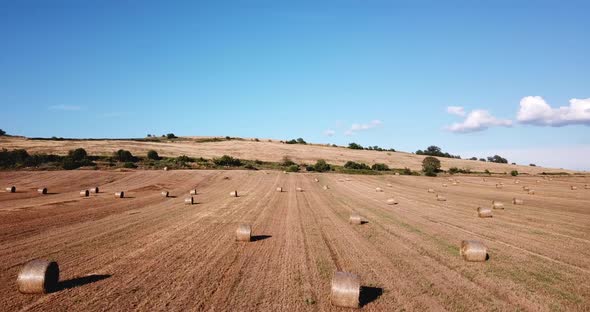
(65, 107)
(329, 133)
(534, 110)
(456, 110)
(363, 127)
(477, 120)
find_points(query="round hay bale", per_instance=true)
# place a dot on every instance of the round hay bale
(85, 193)
(573, 188)
(441, 198)
(348, 179)
(165, 194)
(497, 205)
(165, 168)
(389, 185)
(392, 201)
(444, 185)
(355, 218)
(119, 194)
(95, 190)
(244, 233)
(430, 190)
(517, 201)
(397, 173)
(454, 183)
(498, 186)
(484, 212)
(42, 190)
(299, 189)
(531, 192)
(233, 193)
(538, 181)
(326, 187)
(279, 189)
(525, 188)
(189, 201)
(193, 192)
(316, 179)
(378, 189)
(11, 189)
(346, 290)
(516, 182)
(38, 277)
(474, 251)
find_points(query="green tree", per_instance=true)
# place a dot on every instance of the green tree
(322, 166)
(153, 155)
(78, 154)
(430, 166)
(124, 156)
(355, 146)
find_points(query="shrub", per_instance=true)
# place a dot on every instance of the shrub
(292, 168)
(321, 166)
(497, 159)
(487, 172)
(124, 156)
(69, 164)
(256, 140)
(453, 170)
(430, 166)
(2, 132)
(355, 146)
(407, 171)
(129, 165)
(153, 155)
(250, 167)
(184, 159)
(532, 165)
(482, 159)
(380, 167)
(227, 161)
(171, 136)
(514, 173)
(286, 162)
(356, 166)
(301, 141)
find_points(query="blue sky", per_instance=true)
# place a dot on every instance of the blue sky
(374, 72)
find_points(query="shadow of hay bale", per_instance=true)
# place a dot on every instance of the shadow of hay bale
(255, 238)
(80, 281)
(369, 294)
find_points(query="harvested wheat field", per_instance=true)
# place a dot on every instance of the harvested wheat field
(147, 252)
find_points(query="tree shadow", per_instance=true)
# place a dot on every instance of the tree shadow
(256, 238)
(369, 294)
(487, 256)
(172, 196)
(80, 281)
(364, 221)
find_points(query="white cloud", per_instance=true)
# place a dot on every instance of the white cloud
(534, 110)
(478, 120)
(456, 110)
(329, 132)
(362, 127)
(65, 107)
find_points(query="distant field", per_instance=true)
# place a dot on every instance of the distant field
(151, 253)
(266, 151)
